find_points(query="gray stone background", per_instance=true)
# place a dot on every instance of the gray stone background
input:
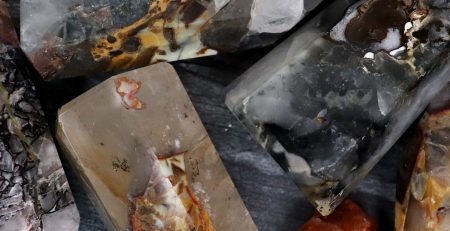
(272, 198)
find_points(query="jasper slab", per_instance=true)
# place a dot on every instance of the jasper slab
(137, 157)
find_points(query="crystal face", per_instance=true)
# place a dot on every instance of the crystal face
(34, 192)
(330, 101)
(423, 190)
(149, 167)
(59, 37)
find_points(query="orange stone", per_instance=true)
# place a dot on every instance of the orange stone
(347, 217)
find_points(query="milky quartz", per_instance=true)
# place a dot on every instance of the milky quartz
(332, 99)
(145, 157)
(34, 192)
(423, 192)
(59, 37)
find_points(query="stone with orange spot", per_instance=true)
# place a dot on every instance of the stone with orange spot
(347, 217)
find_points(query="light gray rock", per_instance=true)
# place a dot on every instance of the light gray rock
(33, 181)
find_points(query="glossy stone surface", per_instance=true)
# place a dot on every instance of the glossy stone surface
(330, 101)
(152, 165)
(423, 191)
(34, 192)
(59, 37)
(347, 217)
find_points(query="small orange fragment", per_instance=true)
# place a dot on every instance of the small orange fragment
(347, 217)
(127, 89)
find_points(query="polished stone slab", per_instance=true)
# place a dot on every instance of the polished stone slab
(332, 99)
(73, 37)
(145, 157)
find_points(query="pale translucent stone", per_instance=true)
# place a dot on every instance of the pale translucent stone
(333, 95)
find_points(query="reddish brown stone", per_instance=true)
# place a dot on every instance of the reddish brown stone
(347, 217)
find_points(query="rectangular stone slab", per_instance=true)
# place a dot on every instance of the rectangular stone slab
(331, 100)
(34, 192)
(59, 37)
(137, 142)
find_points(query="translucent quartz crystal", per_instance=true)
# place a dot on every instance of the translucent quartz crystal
(34, 192)
(61, 36)
(146, 159)
(330, 101)
(423, 192)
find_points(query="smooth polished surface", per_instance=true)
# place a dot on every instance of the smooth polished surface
(71, 38)
(154, 160)
(333, 98)
(273, 200)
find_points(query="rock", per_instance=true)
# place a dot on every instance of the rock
(146, 158)
(335, 94)
(73, 38)
(347, 217)
(21, 134)
(7, 162)
(423, 189)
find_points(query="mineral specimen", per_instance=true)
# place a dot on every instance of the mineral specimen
(151, 167)
(347, 217)
(423, 192)
(331, 100)
(34, 193)
(74, 37)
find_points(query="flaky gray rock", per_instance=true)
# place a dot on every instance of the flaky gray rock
(33, 186)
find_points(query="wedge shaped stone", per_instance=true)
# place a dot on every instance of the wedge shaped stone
(34, 192)
(423, 191)
(145, 157)
(74, 37)
(330, 101)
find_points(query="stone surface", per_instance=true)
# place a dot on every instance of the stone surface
(34, 192)
(347, 217)
(149, 166)
(423, 189)
(272, 199)
(330, 101)
(59, 37)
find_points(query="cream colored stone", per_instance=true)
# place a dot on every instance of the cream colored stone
(114, 148)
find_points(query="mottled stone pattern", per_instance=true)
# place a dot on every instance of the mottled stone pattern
(61, 36)
(34, 193)
(272, 199)
(332, 99)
